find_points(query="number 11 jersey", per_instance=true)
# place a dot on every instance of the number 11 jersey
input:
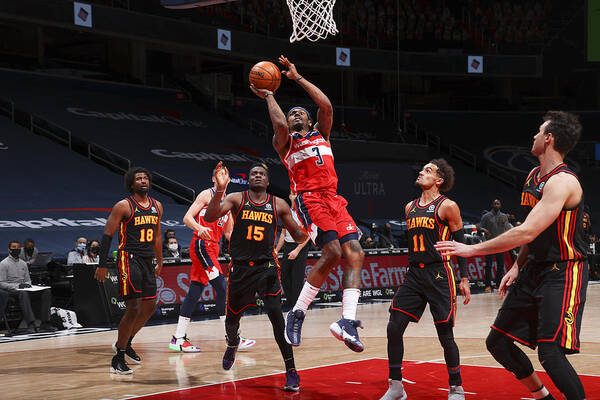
(425, 228)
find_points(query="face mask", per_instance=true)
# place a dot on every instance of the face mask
(15, 252)
(94, 249)
(173, 247)
(29, 252)
(81, 246)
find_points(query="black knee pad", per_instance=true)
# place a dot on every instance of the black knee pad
(445, 334)
(508, 354)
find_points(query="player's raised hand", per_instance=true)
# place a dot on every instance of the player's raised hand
(260, 92)
(221, 176)
(452, 248)
(291, 72)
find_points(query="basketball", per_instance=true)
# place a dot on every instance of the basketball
(265, 75)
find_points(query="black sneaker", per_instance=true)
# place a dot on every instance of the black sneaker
(119, 366)
(292, 381)
(132, 356)
(229, 357)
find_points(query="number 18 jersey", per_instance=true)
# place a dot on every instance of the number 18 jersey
(309, 162)
(137, 234)
(425, 228)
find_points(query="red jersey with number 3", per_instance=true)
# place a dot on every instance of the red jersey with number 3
(216, 227)
(310, 163)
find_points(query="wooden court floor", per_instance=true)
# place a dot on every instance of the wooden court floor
(77, 367)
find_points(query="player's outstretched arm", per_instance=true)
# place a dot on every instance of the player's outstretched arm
(158, 242)
(188, 219)
(450, 213)
(557, 191)
(120, 211)
(217, 208)
(325, 114)
(283, 211)
(281, 137)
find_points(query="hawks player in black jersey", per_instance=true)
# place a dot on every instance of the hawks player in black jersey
(254, 268)
(430, 278)
(138, 219)
(548, 281)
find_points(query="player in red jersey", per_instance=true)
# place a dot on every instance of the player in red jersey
(304, 147)
(204, 252)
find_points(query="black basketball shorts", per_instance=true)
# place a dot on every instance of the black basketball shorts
(245, 281)
(136, 276)
(433, 284)
(545, 304)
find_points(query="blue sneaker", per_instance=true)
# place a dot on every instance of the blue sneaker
(345, 330)
(229, 357)
(292, 381)
(293, 326)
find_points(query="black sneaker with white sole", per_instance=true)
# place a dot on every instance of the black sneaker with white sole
(132, 356)
(119, 366)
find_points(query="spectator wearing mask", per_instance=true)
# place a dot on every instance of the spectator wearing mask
(93, 251)
(386, 239)
(14, 275)
(172, 250)
(29, 252)
(76, 255)
(493, 224)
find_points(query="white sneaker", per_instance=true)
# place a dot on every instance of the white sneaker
(246, 343)
(395, 391)
(456, 393)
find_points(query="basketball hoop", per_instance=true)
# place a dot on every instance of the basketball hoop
(312, 19)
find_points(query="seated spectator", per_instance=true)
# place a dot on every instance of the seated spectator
(169, 233)
(76, 255)
(93, 249)
(14, 277)
(173, 249)
(29, 252)
(386, 239)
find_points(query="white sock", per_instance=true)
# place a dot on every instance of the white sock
(349, 303)
(307, 295)
(181, 326)
(540, 393)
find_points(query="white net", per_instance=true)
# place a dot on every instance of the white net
(312, 19)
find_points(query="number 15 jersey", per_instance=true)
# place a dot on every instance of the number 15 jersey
(309, 162)
(425, 228)
(254, 230)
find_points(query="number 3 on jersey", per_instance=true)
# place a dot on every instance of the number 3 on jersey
(146, 235)
(318, 153)
(256, 233)
(418, 240)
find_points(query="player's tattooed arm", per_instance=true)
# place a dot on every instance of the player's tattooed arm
(325, 113)
(283, 211)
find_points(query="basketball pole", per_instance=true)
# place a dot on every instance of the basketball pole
(399, 126)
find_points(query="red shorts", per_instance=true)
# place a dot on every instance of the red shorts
(204, 255)
(322, 212)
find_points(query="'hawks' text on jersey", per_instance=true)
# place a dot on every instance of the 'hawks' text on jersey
(425, 228)
(137, 234)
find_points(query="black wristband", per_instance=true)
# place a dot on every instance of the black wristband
(459, 236)
(267, 95)
(299, 78)
(104, 248)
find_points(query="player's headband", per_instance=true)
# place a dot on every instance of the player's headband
(299, 108)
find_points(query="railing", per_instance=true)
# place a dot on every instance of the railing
(7, 107)
(173, 188)
(109, 158)
(49, 129)
(464, 155)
